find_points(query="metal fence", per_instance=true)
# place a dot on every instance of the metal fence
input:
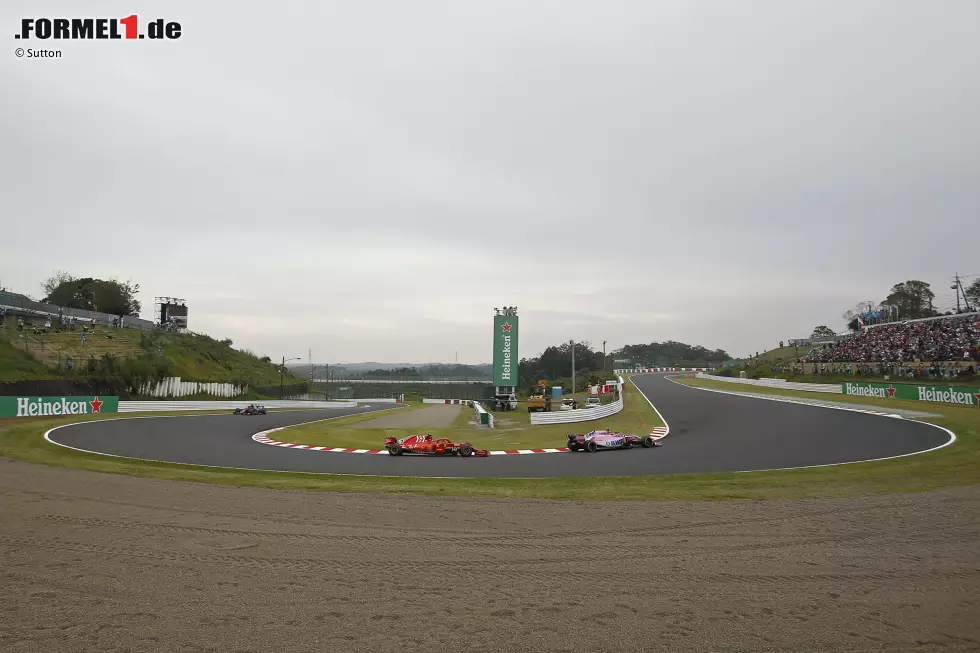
(175, 406)
(63, 388)
(349, 390)
(15, 303)
(578, 415)
(833, 388)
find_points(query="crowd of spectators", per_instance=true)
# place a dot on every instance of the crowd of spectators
(946, 339)
(946, 371)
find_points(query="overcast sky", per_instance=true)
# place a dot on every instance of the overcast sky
(370, 179)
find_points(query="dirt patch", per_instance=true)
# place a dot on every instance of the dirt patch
(99, 562)
(437, 416)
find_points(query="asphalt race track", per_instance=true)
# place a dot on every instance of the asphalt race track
(709, 432)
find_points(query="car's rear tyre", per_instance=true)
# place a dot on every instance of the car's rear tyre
(573, 446)
(394, 450)
(591, 447)
(466, 450)
(627, 444)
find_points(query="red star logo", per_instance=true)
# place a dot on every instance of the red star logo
(96, 405)
(505, 326)
(891, 392)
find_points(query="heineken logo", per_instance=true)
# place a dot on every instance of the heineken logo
(30, 407)
(505, 344)
(505, 367)
(948, 396)
(939, 394)
(868, 391)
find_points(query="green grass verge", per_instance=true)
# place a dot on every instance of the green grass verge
(512, 430)
(956, 465)
(17, 365)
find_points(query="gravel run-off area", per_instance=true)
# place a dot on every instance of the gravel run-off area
(98, 562)
(437, 416)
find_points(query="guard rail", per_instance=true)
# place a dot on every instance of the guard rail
(177, 406)
(580, 414)
(831, 388)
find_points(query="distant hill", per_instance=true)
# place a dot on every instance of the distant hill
(399, 370)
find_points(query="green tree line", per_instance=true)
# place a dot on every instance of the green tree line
(555, 363)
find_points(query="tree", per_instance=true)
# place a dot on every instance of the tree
(59, 278)
(106, 296)
(671, 353)
(554, 364)
(973, 294)
(913, 299)
(822, 332)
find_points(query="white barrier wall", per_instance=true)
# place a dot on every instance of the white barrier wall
(481, 414)
(832, 388)
(172, 386)
(580, 414)
(461, 402)
(647, 370)
(175, 406)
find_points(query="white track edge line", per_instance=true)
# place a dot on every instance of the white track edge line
(952, 436)
(666, 425)
(259, 469)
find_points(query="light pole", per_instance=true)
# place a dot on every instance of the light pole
(282, 372)
(603, 357)
(573, 366)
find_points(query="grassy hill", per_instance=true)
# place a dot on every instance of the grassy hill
(18, 365)
(27, 356)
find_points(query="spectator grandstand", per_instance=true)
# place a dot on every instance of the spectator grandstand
(946, 339)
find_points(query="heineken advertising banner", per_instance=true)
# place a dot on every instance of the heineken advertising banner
(505, 350)
(963, 396)
(50, 406)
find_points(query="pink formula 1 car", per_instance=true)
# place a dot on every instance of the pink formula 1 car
(604, 439)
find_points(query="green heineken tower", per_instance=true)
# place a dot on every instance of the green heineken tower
(505, 359)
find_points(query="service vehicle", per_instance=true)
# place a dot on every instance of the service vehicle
(540, 398)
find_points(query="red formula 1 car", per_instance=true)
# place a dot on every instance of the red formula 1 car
(425, 445)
